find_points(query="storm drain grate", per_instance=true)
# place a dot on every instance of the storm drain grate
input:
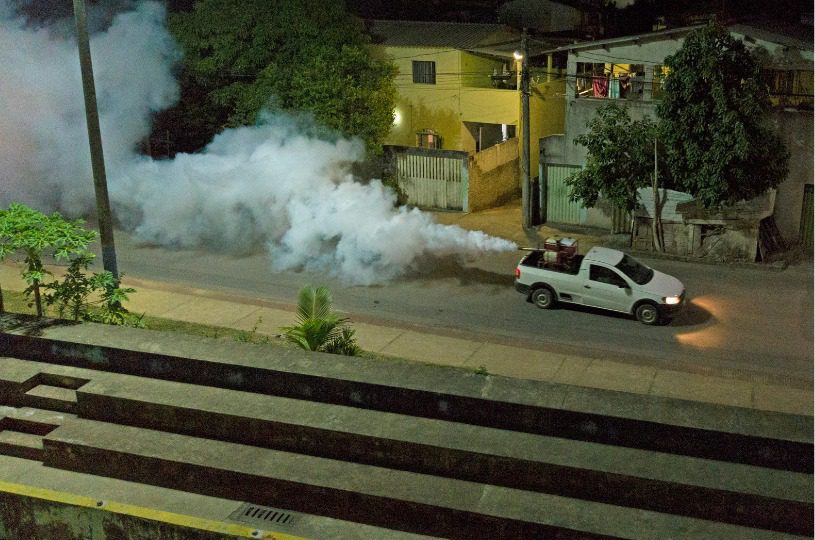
(263, 516)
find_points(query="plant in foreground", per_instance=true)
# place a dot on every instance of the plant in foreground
(319, 327)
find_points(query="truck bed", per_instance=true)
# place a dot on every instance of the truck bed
(535, 259)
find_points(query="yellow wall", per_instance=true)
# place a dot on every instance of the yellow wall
(464, 93)
(426, 106)
(547, 114)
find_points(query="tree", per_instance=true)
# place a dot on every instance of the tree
(36, 235)
(245, 56)
(621, 160)
(319, 327)
(719, 149)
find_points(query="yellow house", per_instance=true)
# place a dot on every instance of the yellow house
(457, 86)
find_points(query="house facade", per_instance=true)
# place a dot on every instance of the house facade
(630, 70)
(457, 91)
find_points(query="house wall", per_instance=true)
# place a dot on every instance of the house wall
(494, 176)
(489, 106)
(463, 93)
(796, 129)
(427, 106)
(578, 111)
(547, 116)
(648, 53)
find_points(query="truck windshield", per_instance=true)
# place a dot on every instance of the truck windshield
(638, 272)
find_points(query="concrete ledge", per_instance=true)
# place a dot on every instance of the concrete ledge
(366, 494)
(718, 491)
(774, 440)
(44, 514)
(65, 499)
(422, 449)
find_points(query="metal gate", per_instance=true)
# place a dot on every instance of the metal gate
(805, 232)
(559, 209)
(431, 178)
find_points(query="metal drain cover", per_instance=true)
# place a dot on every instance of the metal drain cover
(263, 516)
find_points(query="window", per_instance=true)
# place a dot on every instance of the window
(428, 138)
(602, 274)
(587, 73)
(634, 269)
(424, 72)
(612, 81)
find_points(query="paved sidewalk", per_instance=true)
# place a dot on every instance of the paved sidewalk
(212, 308)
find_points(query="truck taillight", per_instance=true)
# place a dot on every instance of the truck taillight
(517, 272)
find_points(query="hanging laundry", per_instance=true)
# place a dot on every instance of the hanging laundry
(600, 86)
(614, 88)
(625, 85)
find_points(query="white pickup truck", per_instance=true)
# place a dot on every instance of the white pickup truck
(603, 278)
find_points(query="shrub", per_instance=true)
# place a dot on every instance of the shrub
(318, 327)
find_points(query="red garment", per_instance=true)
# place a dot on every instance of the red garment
(600, 86)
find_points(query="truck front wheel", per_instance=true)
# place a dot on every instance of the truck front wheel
(647, 313)
(543, 298)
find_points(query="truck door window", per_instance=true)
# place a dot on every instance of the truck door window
(605, 275)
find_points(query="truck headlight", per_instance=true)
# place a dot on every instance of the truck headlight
(671, 300)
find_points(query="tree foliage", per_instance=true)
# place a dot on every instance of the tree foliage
(620, 158)
(36, 236)
(719, 148)
(246, 56)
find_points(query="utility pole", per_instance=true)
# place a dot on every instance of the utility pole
(526, 196)
(95, 139)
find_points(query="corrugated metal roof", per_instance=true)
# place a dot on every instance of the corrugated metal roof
(440, 34)
(487, 39)
(633, 38)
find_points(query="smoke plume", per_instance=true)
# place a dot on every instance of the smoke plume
(274, 184)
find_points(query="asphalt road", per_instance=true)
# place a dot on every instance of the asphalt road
(751, 322)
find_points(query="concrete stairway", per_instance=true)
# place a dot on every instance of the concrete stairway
(416, 449)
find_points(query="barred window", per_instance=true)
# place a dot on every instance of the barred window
(424, 72)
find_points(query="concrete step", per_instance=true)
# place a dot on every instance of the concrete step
(759, 438)
(19, 444)
(53, 398)
(22, 430)
(731, 493)
(137, 510)
(366, 494)
(40, 385)
(531, 445)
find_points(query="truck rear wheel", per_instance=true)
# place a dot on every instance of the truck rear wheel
(647, 313)
(543, 298)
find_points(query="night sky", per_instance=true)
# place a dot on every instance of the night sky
(629, 16)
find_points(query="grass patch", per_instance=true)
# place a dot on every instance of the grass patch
(16, 302)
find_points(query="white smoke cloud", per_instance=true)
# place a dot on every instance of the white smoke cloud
(44, 157)
(274, 184)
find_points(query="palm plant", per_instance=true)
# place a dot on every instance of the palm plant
(318, 327)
